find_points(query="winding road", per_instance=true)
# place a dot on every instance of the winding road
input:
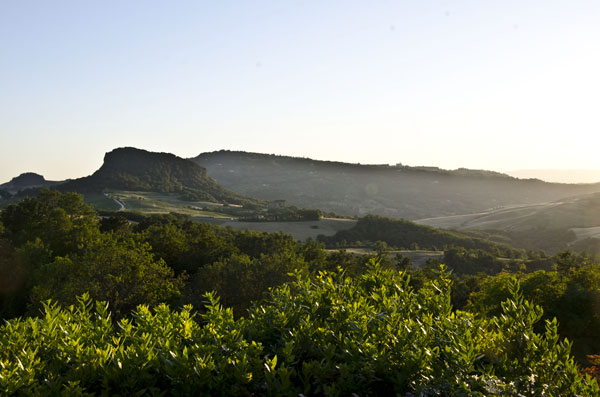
(116, 201)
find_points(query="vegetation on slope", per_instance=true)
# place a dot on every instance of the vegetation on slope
(395, 191)
(403, 234)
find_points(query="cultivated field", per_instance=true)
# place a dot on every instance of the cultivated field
(164, 203)
(100, 202)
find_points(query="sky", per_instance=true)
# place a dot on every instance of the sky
(498, 85)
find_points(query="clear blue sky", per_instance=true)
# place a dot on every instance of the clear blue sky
(498, 85)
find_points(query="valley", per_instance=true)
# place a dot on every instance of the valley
(265, 192)
(149, 229)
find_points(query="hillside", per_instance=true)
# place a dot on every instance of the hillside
(550, 226)
(394, 191)
(403, 234)
(573, 212)
(139, 170)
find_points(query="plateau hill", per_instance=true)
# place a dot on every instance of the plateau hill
(139, 170)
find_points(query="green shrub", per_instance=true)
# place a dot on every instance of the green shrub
(332, 335)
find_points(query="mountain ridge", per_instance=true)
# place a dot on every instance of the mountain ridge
(395, 191)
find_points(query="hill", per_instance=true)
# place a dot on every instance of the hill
(27, 180)
(403, 234)
(139, 170)
(395, 191)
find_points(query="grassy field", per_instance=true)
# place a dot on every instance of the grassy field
(100, 202)
(162, 203)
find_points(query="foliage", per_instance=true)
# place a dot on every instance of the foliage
(573, 298)
(334, 336)
(241, 279)
(63, 222)
(122, 272)
(53, 247)
(12, 275)
(594, 369)
(464, 261)
(536, 364)
(114, 223)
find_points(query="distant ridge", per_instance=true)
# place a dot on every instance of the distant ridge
(559, 176)
(27, 180)
(394, 191)
(136, 169)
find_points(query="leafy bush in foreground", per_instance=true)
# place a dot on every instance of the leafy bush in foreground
(335, 335)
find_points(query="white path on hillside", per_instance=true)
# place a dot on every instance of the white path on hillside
(116, 201)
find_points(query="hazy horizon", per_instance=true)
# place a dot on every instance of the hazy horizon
(559, 176)
(495, 86)
(547, 175)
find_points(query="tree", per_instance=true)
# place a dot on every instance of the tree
(16, 268)
(170, 243)
(115, 223)
(62, 221)
(240, 279)
(567, 260)
(121, 272)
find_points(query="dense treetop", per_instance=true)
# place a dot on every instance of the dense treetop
(332, 335)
